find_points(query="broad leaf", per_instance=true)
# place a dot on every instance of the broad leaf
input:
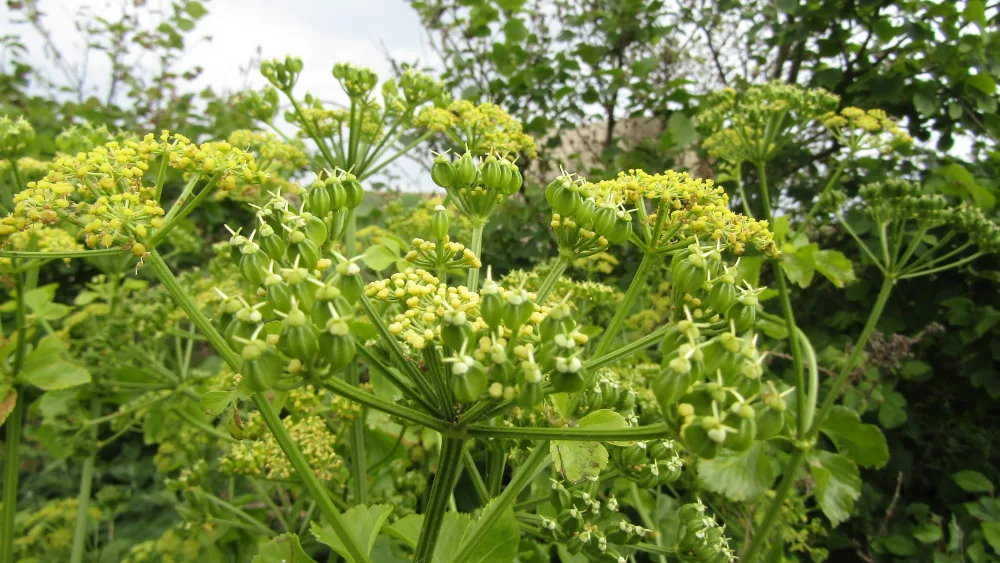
(453, 530)
(57, 375)
(378, 257)
(214, 403)
(991, 530)
(282, 549)
(578, 461)
(900, 545)
(605, 419)
(799, 264)
(972, 482)
(738, 476)
(363, 524)
(681, 129)
(928, 533)
(838, 484)
(500, 545)
(834, 266)
(863, 443)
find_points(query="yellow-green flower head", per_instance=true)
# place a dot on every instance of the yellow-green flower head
(42, 238)
(29, 168)
(755, 124)
(357, 82)
(865, 130)
(102, 194)
(482, 128)
(15, 136)
(81, 138)
(264, 457)
(694, 207)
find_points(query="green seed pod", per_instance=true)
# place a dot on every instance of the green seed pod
(530, 396)
(439, 223)
(560, 498)
(569, 382)
(253, 265)
(491, 173)
(443, 172)
(456, 331)
(468, 380)
(671, 385)
(514, 183)
(742, 439)
(517, 309)
(491, 306)
(622, 229)
(742, 316)
(689, 277)
(697, 440)
(338, 194)
(336, 344)
(769, 422)
(722, 296)
(565, 200)
(236, 243)
(465, 171)
(355, 193)
(304, 249)
(279, 294)
(262, 366)
(272, 243)
(585, 214)
(320, 202)
(605, 219)
(349, 281)
(299, 338)
(559, 183)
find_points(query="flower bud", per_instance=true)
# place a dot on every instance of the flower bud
(439, 223)
(443, 172)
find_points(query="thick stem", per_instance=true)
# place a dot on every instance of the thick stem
(525, 474)
(83, 498)
(312, 484)
(567, 433)
(444, 484)
(12, 446)
(359, 469)
(550, 281)
(774, 508)
(476, 246)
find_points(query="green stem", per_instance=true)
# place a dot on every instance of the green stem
(83, 498)
(647, 432)
(64, 254)
(819, 201)
(861, 244)
(241, 514)
(12, 446)
(312, 484)
(524, 475)
(265, 494)
(774, 508)
(644, 516)
(477, 480)
(380, 166)
(476, 246)
(627, 350)
(384, 371)
(956, 264)
(449, 465)
(550, 281)
(359, 471)
(625, 308)
(173, 218)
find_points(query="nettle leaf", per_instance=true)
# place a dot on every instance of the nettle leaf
(285, 548)
(578, 461)
(862, 443)
(214, 403)
(834, 266)
(738, 476)
(363, 524)
(838, 484)
(972, 482)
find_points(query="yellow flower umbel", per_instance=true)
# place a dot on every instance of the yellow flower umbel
(756, 124)
(101, 195)
(478, 129)
(15, 136)
(862, 130)
(278, 160)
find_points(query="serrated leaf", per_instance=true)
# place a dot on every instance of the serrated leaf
(739, 476)
(799, 264)
(578, 461)
(285, 548)
(363, 524)
(863, 443)
(838, 484)
(378, 257)
(891, 416)
(605, 419)
(834, 266)
(214, 403)
(972, 481)
(407, 529)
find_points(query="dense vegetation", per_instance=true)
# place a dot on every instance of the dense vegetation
(703, 280)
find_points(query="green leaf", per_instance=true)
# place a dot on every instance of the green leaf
(972, 482)
(991, 531)
(682, 129)
(214, 403)
(363, 524)
(863, 443)
(500, 545)
(738, 476)
(838, 484)
(578, 461)
(57, 375)
(282, 549)
(7, 404)
(975, 12)
(407, 529)
(378, 257)
(515, 30)
(799, 264)
(185, 24)
(954, 110)
(834, 266)
(891, 416)
(956, 180)
(901, 545)
(195, 9)
(925, 104)
(928, 533)
(983, 82)
(453, 530)
(786, 6)
(605, 419)
(644, 66)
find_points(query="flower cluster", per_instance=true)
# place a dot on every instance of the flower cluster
(701, 538)
(48, 530)
(15, 136)
(43, 239)
(103, 195)
(756, 124)
(263, 456)
(865, 130)
(172, 546)
(684, 208)
(649, 464)
(477, 189)
(479, 128)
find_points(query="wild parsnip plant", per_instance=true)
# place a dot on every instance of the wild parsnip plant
(559, 428)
